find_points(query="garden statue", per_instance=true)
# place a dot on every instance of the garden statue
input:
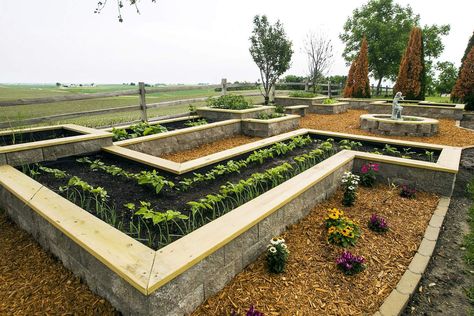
(397, 108)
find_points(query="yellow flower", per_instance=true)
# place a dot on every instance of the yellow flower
(333, 216)
(351, 235)
(345, 232)
(331, 230)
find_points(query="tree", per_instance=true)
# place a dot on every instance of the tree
(446, 78)
(358, 84)
(468, 49)
(411, 76)
(463, 90)
(271, 51)
(348, 89)
(433, 47)
(318, 49)
(101, 5)
(386, 26)
(361, 87)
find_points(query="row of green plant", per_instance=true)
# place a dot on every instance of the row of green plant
(302, 94)
(230, 102)
(137, 130)
(146, 178)
(257, 157)
(266, 116)
(199, 122)
(403, 153)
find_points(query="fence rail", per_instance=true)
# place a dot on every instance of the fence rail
(142, 106)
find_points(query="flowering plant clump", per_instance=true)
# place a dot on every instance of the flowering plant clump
(408, 191)
(277, 255)
(341, 230)
(368, 174)
(378, 224)
(350, 264)
(350, 182)
(251, 312)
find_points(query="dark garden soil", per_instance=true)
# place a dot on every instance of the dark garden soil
(20, 137)
(442, 290)
(311, 283)
(467, 124)
(33, 282)
(122, 190)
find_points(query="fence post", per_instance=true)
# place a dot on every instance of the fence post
(306, 86)
(329, 89)
(386, 90)
(142, 92)
(224, 86)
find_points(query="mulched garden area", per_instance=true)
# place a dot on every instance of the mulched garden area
(32, 282)
(449, 134)
(312, 284)
(210, 148)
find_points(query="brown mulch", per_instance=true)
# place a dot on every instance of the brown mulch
(312, 285)
(210, 148)
(449, 134)
(32, 282)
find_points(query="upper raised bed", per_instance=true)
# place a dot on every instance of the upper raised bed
(420, 108)
(30, 145)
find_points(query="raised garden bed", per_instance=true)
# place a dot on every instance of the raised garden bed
(331, 108)
(177, 277)
(25, 146)
(266, 127)
(227, 114)
(420, 108)
(290, 101)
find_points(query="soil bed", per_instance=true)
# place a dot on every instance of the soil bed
(32, 282)
(448, 274)
(21, 137)
(311, 284)
(449, 134)
(208, 149)
(122, 190)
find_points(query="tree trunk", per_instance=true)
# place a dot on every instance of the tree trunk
(379, 84)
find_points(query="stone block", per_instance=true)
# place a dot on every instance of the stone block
(234, 250)
(3, 159)
(394, 304)
(432, 233)
(272, 225)
(87, 146)
(18, 158)
(58, 151)
(419, 263)
(436, 221)
(408, 282)
(426, 247)
(224, 275)
(188, 304)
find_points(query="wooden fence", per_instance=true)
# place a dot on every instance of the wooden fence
(141, 92)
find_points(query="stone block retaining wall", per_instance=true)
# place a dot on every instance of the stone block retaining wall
(267, 128)
(420, 110)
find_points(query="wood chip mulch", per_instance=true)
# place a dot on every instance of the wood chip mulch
(448, 134)
(210, 148)
(32, 282)
(312, 284)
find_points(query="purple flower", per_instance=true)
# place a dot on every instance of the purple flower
(378, 223)
(253, 312)
(349, 263)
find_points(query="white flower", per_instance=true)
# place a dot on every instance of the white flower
(354, 182)
(351, 188)
(344, 180)
(280, 240)
(272, 249)
(274, 241)
(284, 246)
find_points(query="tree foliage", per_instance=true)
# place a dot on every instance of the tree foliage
(271, 50)
(470, 44)
(463, 90)
(358, 84)
(386, 26)
(411, 75)
(446, 78)
(319, 51)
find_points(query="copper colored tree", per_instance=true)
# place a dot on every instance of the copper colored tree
(361, 88)
(411, 75)
(350, 80)
(464, 88)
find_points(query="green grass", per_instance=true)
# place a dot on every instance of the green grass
(22, 112)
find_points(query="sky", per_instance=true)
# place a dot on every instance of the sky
(185, 41)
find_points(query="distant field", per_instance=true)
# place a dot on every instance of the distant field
(22, 112)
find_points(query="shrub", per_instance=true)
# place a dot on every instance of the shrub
(368, 173)
(229, 101)
(357, 83)
(378, 224)
(277, 255)
(329, 101)
(350, 182)
(302, 94)
(463, 90)
(341, 230)
(350, 264)
(408, 191)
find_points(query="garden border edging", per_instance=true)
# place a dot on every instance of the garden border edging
(398, 299)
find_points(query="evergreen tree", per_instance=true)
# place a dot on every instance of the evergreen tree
(361, 88)
(463, 90)
(411, 75)
(349, 88)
